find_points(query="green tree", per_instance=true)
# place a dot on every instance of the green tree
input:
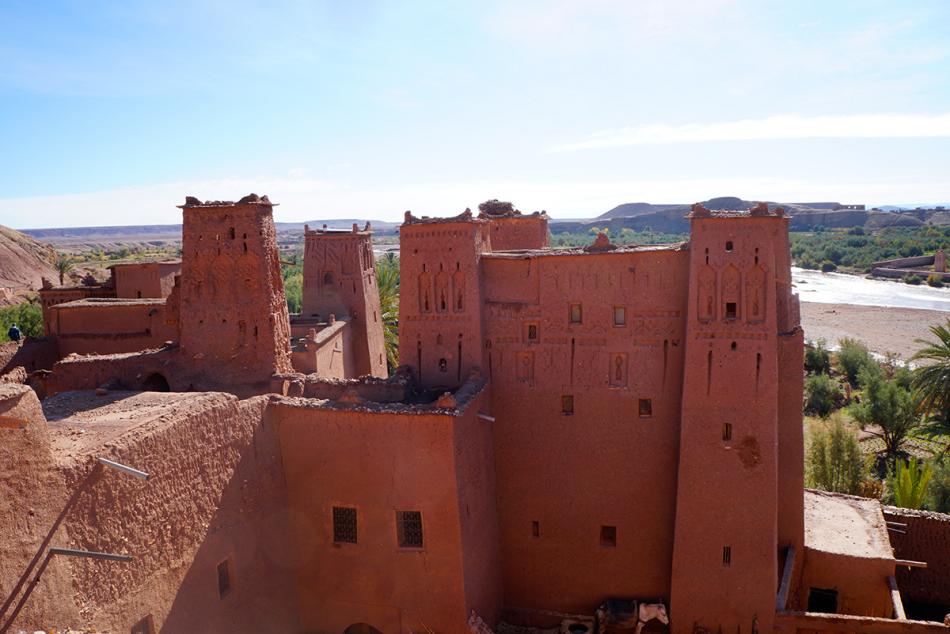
(833, 461)
(63, 265)
(28, 316)
(907, 483)
(387, 277)
(886, 406)
(817, 358)
(821, 393)
(853, 356)
(293, 288)
(931, 382)
(938, 496)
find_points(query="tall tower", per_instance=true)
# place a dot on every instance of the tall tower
(339, 278)
(739, 490)
(440, 325)
(235, 328)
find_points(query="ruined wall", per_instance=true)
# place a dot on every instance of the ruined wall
(726, 552)
(339, 278)
(215, 493)
(605, 463)
(440, 327)
(328, 352)
(128, 371)
(107, 326)
(926, 538)
(408, 461)
(235, 327)
(861, 583)
(518, 231)
(145, 279)
(32, 355)
(33, 499)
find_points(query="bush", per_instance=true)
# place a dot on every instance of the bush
(828, 266)
(821, 393)
(915, 280)
(907, 483)
(28, 317)
(853, 357)
(935, 280)
(834, 461)
(856, 231)
(938, 494)
(817, 358)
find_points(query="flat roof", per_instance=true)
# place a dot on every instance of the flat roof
(846, 525)
(626, 248)
(102, 302)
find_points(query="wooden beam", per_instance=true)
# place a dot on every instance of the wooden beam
(781, 599)
(896, 599)
(910, 563)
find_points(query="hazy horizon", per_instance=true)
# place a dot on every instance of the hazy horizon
(112, 113)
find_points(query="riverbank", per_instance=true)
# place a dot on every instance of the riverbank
(882, 329)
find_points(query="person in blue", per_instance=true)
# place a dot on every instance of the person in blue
(14, 333)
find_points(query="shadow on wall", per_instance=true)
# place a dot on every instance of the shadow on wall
(361, 628)
(35, 567)
(241, 579)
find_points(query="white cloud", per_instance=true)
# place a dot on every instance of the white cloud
(878, 126)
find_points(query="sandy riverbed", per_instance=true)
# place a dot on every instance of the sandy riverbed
(881, 329)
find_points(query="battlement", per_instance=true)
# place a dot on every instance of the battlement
(192, 202)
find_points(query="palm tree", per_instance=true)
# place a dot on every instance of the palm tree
(63, 265)
(931, 382)
(387, 277)
(909, 482)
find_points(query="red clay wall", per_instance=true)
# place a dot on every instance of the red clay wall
(433, 463)
(235, 327)
(216, 491)
(603, 465)
(33, 497)
(728, 481)
(147, 279)
(927, 538)
(519, 232)
(108, 326)
(339, 277)
(861, 583)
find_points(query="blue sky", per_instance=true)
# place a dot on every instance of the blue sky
(111, 112)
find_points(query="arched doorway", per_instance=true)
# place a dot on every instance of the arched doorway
(156, 383)
(361, 628)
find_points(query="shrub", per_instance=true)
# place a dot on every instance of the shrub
(935, 280)
(821, 392)
(907, 483)
(817, 358)
(938, 494)
(28, 317)
(856, 231)
(853, 356)
(834, 461)
(915, 280)
(828, 266)
(888, 406)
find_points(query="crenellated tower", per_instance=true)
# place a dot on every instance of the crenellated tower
(739, 490)
(233, 313)
(339, 278)
(440, 326)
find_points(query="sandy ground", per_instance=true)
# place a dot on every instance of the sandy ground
(881, 329)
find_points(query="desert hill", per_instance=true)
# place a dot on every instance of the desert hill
(23, 264)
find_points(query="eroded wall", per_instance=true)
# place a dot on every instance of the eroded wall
(926, 538)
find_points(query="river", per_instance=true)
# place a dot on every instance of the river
(840, 288)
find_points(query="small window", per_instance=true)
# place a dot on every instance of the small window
(729, 246)
(620, 316)
(645, 408)
(730, 310)
(727, 556)
(224, 578)
(532, 332)
(344, 525)
(576, 313)
(231, 233)
(145, 626)
(409, 529)
(567, 404)
(536, 528)
(608, 536)
(443, 365)
(823, 600)
(726, 432)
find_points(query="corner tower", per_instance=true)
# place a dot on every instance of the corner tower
(233, 313)
(739, 490)
(339, 278)
(440, 325)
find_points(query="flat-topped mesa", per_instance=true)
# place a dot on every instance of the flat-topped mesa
(233, 311)
(339, 278)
